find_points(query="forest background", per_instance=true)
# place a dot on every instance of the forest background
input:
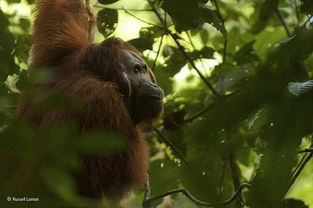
(238, 106)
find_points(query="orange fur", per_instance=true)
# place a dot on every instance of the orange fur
(61, 40)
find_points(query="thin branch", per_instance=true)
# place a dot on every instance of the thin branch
(91, 20)
(197, 115)
(235, 174)
(301, 161)
(147, 193)
(304, 160)
(305, 150)
(222, 179)
(89, 8)
(171, 145)
(306, 22)
(194, 48)
(297, 11)
(122, 8)
(298, 166)
(225, 33)
(158, 52)
(201, 112)
(141, 20)
(225, 49)
(182, 50)
(190, 40)
(235, 171)
(196, 201)
(157, 13)
(280, 17)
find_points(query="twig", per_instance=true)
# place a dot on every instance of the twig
(305, 23)
(297, 11)
(89, 8)
(305, 150)
(197, 115)
(194, 200)
(171, 145)
(91, 20)
(280, 17)
(304, 160)
(235, 171)
(298, 166)
(158, 53)
(201, 112)
(141, 20)
(235, 174)
(194, 48)
(147, 193)
(190, 40)
(182, 50)
(225, 31)
(222, 179)
(122, 8)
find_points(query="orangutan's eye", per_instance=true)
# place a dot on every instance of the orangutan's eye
(137, 68)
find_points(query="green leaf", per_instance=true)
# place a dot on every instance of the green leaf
(307, 6)
(107, 1)
(267, 9)
(59, 181)
(294, 203)
(107, 21)
(243, 155)
(164, 81)
(142, 44)
(246, 54)
(190, 14)
(175, 62)
(146, 39)
(25, 24)
(163, 172)
(13, 1)
(100, 142)
(7, 45)
(205, 52)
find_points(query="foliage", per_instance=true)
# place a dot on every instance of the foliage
(238, 103)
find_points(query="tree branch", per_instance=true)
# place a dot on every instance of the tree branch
(148, 202)
(91, 20)
(222, 179)
(141, 20)
(197, 115)
(304, 160)
(224, 34)
(182, 50)
(158, 53)
(235, 173)
(280, 17)
(306, 22)
(305, 150)
(122, 8)
(147, 194)
(171, 145)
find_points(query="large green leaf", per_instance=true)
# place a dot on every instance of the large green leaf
(107, 21)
